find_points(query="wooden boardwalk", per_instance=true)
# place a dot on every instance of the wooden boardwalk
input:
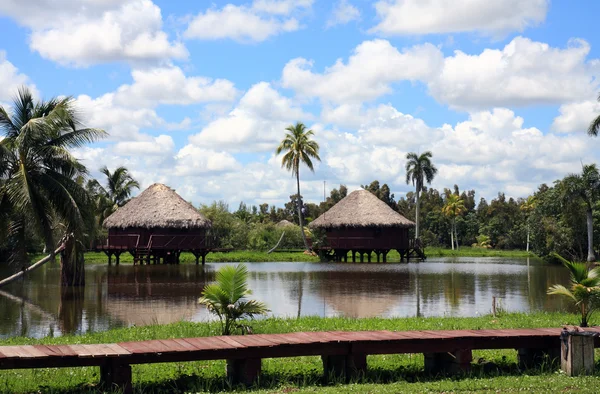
(343, 352)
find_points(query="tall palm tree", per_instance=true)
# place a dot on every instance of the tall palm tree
(453, 208)
(119, 185)
(594, 125)
(226, 298)
(586, 188)
(299, 148)
(419, 169)
(39, 177)
(527, 207)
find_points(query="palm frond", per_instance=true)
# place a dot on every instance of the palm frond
(561, 290)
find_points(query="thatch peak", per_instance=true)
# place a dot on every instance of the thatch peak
(284, 223)
(157, 207)
(361, 208)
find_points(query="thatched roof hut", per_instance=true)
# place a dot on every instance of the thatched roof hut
(157, 207)
(284, 223)
(361, 208)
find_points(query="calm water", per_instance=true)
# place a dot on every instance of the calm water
(138, 295)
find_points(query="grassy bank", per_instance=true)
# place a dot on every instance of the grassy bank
(250, 256)
(496, 369)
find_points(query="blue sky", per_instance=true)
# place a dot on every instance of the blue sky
(197, 94)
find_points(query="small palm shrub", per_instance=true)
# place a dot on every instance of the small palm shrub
(584, 289)
(226, 298)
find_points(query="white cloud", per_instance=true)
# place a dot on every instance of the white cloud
(492, 17)
(576, 117)
(90, 32)
(370, 71)
(11, 79)
(169, 85)
(491, 151)
(243, 23)
(162, 145)
(196, 161)
(343, 13)
(524, 72)
(255, 125)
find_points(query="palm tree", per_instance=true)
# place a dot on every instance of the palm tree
(594, 125)
(298, 148)
(119, 185)
(453, 208)
(419, 169)
(40, 179)
(226, 298)
(528, 206)
(585, 290)
(586, 188)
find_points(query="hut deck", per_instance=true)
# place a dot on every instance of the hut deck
(115, 359)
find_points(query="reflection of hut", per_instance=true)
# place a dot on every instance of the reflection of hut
(157, 224)
(284, 223)
(362, 223)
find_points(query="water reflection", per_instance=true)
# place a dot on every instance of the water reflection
(120, 296)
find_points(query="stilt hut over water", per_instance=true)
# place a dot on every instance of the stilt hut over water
(362, 223)
(157, 224)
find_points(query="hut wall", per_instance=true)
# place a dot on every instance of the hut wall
(163, 238)
(368, 238)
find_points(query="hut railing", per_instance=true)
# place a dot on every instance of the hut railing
(126, 241)
(365, 243)
(181, 242)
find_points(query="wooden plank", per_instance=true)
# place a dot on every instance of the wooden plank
(174, 346)
(79, 350)
(118, 350)
(134, 347)
(230, 341)
(209, 343)
(49, 351)
(184, 344)
(251, 341)
(15, 352)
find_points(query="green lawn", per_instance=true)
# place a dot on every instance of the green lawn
(493, 371)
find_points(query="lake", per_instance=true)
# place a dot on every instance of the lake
(126, 295)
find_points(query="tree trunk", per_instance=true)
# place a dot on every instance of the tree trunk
(455, 234)
(452, 235)
(417, 215)
(590, 234)
(300, 210)
(72, 271)
(528, 238)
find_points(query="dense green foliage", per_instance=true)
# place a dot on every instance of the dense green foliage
(493, 370)
(41, 183)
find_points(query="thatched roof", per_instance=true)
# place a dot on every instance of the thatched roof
(361, 208)
(157, 207)
(284, 223)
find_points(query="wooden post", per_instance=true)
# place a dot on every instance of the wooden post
(116, 376)
(448, 363)
(345, 366)
(243, 371)
(576, 353)
(385, 252)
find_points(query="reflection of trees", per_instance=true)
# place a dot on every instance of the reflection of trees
(70, 309)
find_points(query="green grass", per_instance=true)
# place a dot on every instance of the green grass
(467, 251)
(386, 374)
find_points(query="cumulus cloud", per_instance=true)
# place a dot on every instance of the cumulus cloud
(256, 124)
(195, 161)
(576, 117)
(162, 145)
(11, 79)
(90, 32)
(343, 13)
(492, 17)
(247, 23)
(524, 72)
(491, 151)
(169, 85)
(368, 74)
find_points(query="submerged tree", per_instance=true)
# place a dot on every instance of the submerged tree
(39, 185)
(585, 188)
(226, 298)
(299, 148)
(584, 289)
(419, 169)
